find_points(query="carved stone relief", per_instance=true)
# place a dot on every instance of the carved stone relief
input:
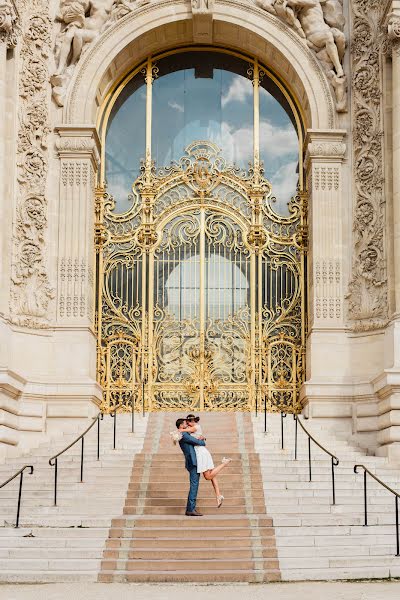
(320, 23)
(31, 291)
(368, 292)
(9, 23)
(82, 21)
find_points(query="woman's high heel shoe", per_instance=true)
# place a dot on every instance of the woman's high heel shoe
(220, 500)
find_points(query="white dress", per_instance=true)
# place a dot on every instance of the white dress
(204, 458)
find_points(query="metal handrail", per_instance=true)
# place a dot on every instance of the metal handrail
(396, 494)
(334, 459)
(53, 461)
(21, 473)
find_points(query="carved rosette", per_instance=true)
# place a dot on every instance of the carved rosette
(9, 23)
(31, 291)
(368, 288)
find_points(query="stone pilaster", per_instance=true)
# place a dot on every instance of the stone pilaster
(387, 385)
(78, 150)
(327, 264)
(9, 30)
(393, 26)
(325, 155)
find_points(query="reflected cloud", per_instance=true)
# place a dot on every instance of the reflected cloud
(284, 182)
(239, 90)
(277, 141)
(173, 104)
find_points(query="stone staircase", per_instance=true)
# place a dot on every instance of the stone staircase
(316, 540)
(126, 521)
(66, 542)
(156, 542)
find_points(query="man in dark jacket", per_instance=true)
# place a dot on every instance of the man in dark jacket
(187, 444)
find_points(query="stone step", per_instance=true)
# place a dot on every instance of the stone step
(202, 576)
(190, 564)
(154, 543)
(188, 552)
(169, 532)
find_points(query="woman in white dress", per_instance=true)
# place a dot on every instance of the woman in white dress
(205, 463)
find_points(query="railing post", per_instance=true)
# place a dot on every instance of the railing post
(256, 401)
(365, 499)
(397, 527)
(295, 437)
(19, 498)
(133, 413)
(98, 437)
(283, 416)
(309, 457)
(115, 427)
(143, 411)
(265, 413)
(82, 448)
(333, 481)
(55, 481)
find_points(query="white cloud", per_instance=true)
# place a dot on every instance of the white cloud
(284, 183)
(238, 91)
(276, 142)
(176, 106)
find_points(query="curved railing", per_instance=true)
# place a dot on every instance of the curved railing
(334, 459)
(392, 491)
(21, 474)
(53, 461)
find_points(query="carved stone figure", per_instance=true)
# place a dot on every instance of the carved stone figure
(320, 23)
(285, 11)
(82, 21)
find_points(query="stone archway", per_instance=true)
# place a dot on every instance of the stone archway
(155, 27)
(241, 27)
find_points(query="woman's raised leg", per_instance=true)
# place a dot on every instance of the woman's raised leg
(214, 472)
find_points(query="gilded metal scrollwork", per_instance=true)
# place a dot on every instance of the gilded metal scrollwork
(201, 301)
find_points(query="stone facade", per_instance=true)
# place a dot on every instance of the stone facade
(58, 61)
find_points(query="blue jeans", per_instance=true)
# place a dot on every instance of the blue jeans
(194, 478)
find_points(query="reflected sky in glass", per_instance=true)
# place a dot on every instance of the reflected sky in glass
(201, 96)
(279, 150)
(225, 293)
(126, 141)
(216, 108)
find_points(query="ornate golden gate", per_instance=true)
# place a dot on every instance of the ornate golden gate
(200, 290)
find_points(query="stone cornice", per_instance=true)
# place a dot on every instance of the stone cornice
(77, 141)
(325, 145)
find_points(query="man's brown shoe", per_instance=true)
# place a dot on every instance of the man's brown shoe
(195, 513)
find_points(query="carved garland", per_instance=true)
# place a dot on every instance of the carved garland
(368, 291)
(31, 291)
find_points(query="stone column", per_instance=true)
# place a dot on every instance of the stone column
(326, 270)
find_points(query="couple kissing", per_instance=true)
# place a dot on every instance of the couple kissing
(198, 460)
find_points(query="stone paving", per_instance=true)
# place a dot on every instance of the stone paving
(280, 591)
